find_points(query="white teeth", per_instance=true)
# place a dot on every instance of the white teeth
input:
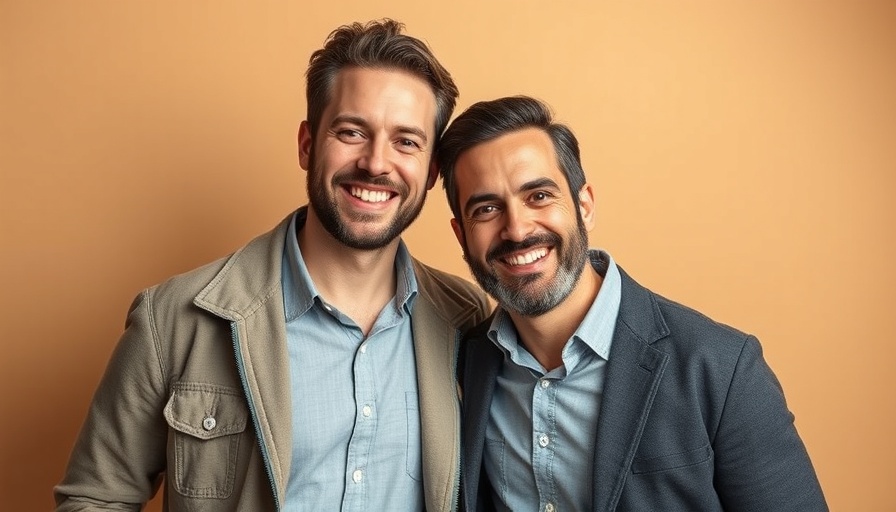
(370, 196)
(529, 257)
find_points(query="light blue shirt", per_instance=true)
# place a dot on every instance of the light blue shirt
(355, 420)
(541, 434)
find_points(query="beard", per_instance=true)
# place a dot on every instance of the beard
(327, 210)
(521, 294)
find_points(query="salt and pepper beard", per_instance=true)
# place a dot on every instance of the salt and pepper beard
(327, 210)
(520, 294)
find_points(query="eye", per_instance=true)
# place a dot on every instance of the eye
(484, 212)
(408, 145)
(349, 135)
(540, 196)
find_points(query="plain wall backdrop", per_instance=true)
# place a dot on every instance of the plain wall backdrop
(743, 153)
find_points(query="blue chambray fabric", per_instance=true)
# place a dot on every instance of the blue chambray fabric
(541, 433)
(356, 442)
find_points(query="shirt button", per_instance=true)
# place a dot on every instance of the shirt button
(366, 411)
(209, 423)
(550, 508)
(545, 383)
(357, 475)
(364, 348)
(543, 440)
(327, 307)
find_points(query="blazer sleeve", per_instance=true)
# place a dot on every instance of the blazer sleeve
(120, 453)
(761, 462)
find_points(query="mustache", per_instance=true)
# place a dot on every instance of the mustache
(362, 177)
(508, 247)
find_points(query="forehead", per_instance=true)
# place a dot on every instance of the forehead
(505, 163)
(380, 95)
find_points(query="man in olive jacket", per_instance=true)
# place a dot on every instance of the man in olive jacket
(314, 368)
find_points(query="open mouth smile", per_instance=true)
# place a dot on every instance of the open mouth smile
(526, 258)
(369, 196)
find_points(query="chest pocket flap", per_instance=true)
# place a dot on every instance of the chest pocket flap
(207, 421)
(206, 411)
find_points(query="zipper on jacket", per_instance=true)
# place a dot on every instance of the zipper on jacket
(265, 456)
(455, 502)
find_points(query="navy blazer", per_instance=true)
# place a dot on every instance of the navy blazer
(691, 419)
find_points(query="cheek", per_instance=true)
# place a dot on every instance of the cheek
(559, 218)
(480, 238)
(414, 172)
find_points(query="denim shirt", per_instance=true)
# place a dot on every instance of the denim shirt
(541, 433)
(355, 442)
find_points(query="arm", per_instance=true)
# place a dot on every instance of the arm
(119, 456)
(761, 462)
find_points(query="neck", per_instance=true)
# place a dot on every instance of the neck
(544, 336)
(357, 282)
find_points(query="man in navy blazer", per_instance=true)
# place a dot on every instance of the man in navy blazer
(585, 390)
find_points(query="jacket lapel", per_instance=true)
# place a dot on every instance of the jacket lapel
(436, 316)
(482, 361)
(435, 352)
(634, 371)
(248, 293)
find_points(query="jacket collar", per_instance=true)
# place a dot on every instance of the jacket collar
(249, 279)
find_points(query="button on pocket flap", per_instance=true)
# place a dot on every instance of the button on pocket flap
(206, 411)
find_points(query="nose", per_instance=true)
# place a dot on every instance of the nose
(518, 223)
(375, 157)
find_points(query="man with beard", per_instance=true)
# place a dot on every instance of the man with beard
(586, 391)
(313, 369)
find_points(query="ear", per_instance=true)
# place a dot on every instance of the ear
(458, 232)
(304, 144)
(586, 206)
(433, 174)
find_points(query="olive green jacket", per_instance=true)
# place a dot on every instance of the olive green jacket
(198, 391)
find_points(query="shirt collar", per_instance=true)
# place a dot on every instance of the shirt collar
(596, 328)
(299, 292)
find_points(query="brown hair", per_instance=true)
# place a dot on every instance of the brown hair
(376, 44)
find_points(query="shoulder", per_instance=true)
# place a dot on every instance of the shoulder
(250, 269)
(693, 324)
(688, 336)
(456, 297)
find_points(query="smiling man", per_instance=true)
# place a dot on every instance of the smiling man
(313, 369)
(586, 391)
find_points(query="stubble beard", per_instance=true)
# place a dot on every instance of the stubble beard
(522, 295)
(331, 218)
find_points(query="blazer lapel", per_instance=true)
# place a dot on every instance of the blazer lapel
(634, 371)
(482, 361)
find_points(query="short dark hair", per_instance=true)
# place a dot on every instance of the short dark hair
(376, 44)
(488, 120)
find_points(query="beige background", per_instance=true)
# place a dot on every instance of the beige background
(742, 152)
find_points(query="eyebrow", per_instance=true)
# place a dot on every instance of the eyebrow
(539, 183)
(360, 121)
(526, 187)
